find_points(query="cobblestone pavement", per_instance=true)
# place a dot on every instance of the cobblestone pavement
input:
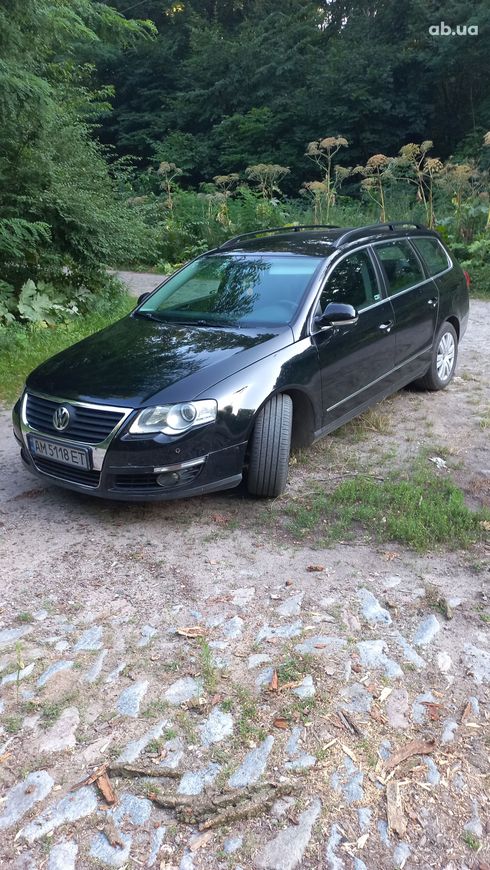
(253, 701)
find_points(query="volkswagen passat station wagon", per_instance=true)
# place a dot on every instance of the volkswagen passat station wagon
(268, 342)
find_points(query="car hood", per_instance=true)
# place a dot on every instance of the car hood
(138, 359)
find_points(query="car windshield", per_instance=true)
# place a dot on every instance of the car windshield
(234, 290)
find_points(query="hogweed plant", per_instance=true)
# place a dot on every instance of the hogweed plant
(377, 173)
(322, 152)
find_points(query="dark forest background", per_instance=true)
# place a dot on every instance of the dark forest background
(137, 134)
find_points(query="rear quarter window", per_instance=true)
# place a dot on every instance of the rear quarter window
(433, 255)
(400, 265)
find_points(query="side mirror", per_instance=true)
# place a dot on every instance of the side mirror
(337, 314)
(143, 298)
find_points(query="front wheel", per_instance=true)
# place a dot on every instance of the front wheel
(270, 447)
(443, 363)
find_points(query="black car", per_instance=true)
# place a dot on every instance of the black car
(270, 341)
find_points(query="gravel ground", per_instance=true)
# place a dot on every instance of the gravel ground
(204, 644)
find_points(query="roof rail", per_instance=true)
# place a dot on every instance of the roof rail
(292, 228)
(359, 232)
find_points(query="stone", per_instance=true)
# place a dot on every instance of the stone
(264, 678)
(185, 689)
(61, 735)
(335, 839)
(397, 709)
(233, 628)
(352, 789)
(134, 748)
(356, 699)
(53, 669)
(475, 706)
(113, 856)
(253, 766)
(137, 809)
(286, 851)
(371, 608)
(474, 826)
(401, 855)
(373, 655)
(433, 775)
(243, 596)
(147, 632)
(383, 833)
(174, 753)
(477, 662)
(9, 636)
(427, 630)
(292, 606)
(156, 843)
(281, 806)
(364, 816)
(116, 673)
(194, 782)
(359, 865)
(385, 749)
(321, 644)
(63, 856)
(74, 806)
(444, 662)
(281, 632)
(90, 640)
(95, 751)
(187, 862)
(94, 672)
(306, 689)
(256, 660)
(128, 703)
(409, 654)
(419, 709)
(41, 615)
(22, 797)
(17, 676)
(449, 731)
(217, 727)
(302, 762)
(292, 746)
(232, 845)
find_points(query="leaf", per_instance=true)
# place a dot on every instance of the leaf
(315, 568)
(281, 722)
(220, 519)
(414, 747)
(362, 841)
(201, 841)
(349, 752)
(291, 685)
(192, 631)
(274, 685)
(434, 710)
(385, 693)
(104, 785)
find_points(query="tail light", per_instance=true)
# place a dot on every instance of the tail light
(467, 278)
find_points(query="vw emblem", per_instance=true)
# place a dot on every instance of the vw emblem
(61, 418)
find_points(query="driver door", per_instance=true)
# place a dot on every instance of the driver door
(356, 359)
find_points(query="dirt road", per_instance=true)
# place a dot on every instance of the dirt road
(215, 643)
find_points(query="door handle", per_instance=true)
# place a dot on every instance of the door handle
(386, 327)
(432, 302)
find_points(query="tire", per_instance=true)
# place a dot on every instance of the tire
(443, 364)
(270, 447)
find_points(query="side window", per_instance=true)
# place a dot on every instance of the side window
(401, 267)
(352, 282)
(433, 255)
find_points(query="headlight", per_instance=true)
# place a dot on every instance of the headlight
(172, 419)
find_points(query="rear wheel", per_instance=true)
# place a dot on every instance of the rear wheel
(443, 363)
(269, 448)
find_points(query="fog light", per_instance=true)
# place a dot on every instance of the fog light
(170, 478)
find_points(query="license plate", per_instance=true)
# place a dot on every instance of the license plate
(66, 454)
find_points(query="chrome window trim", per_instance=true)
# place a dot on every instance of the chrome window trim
(180, 465)
(323, 278)
(419, 283)
(99, 450)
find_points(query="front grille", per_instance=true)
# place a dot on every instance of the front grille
(89, 425)
(66, 472)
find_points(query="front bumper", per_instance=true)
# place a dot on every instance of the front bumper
(149, 469)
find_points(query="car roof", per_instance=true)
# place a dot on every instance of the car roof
(319, 241)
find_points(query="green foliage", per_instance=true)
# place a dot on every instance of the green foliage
(421, 509)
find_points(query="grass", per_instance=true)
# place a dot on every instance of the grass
(22, 348)
(25, 617)
(471, 841)
(420, 508)
(208, 670)
(247, 721)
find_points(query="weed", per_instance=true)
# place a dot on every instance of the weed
(471, 841)
(25, 616)
(247, 721)
(13, 724)
(227, 705)
(51, 711)
(208, 669)
(154, 708)
(169, 734)
(422, 509)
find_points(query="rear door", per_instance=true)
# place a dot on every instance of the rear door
(354, 359)
(415, 300)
